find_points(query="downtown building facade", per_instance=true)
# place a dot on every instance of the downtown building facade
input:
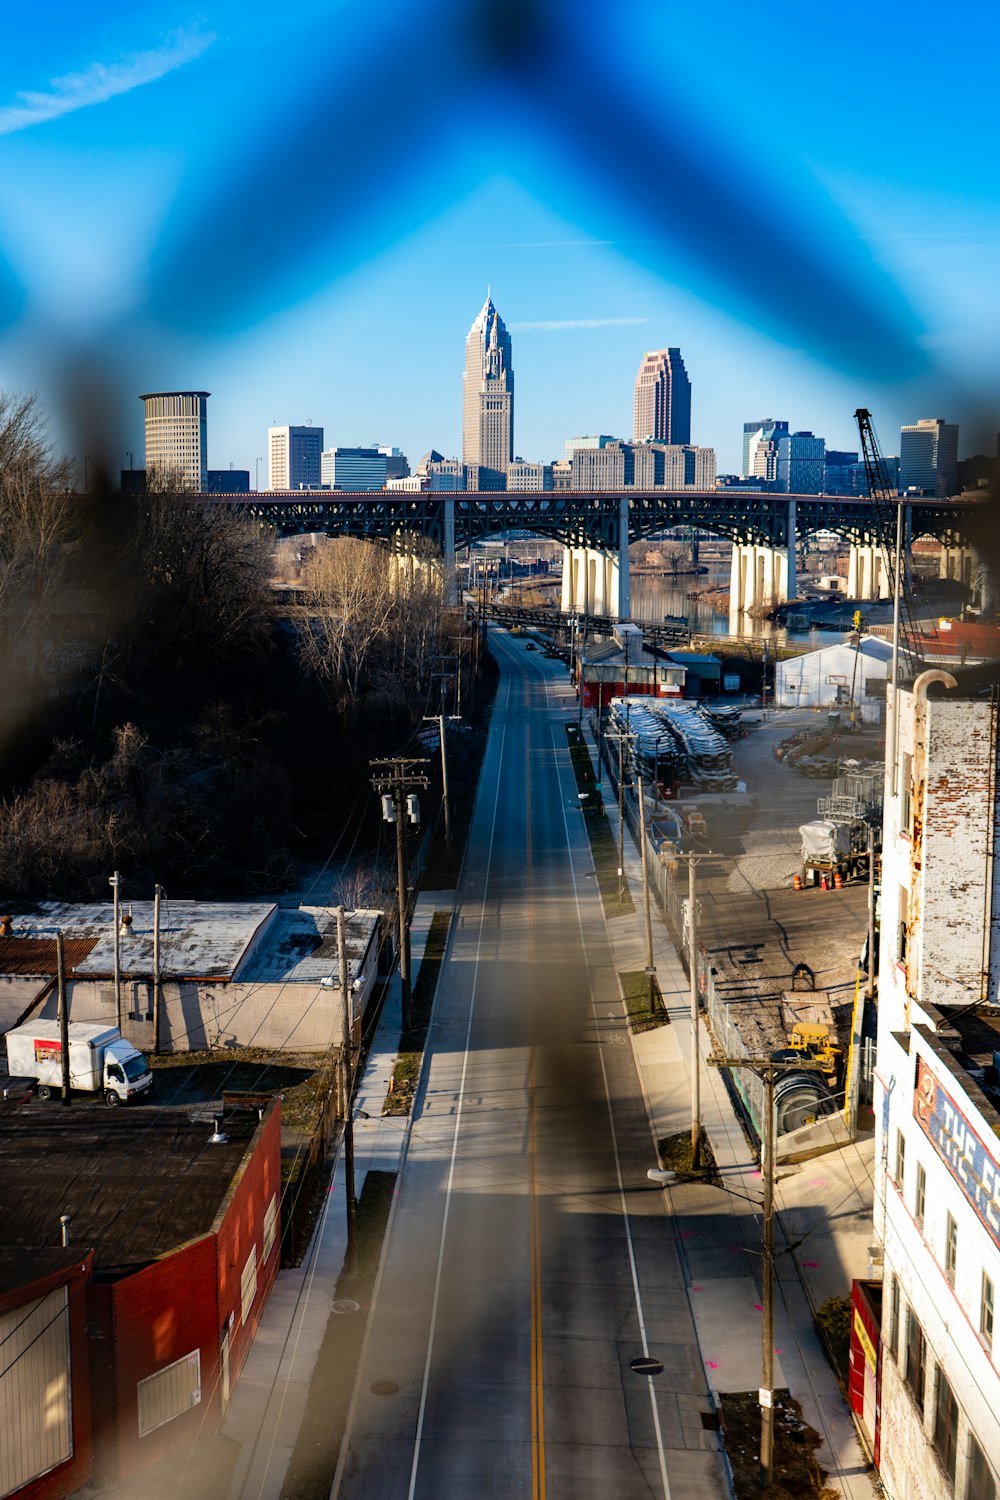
(643, 466)
(936, 1416)
(353, 469)
(293, 457)
(662, 402)
(177, 437)
(488, 394)
(928, 457)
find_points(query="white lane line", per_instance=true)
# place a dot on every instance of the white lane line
(618, 1165)
(418, 1438)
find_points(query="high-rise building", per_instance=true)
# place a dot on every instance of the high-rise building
(662, 399)
(767, 453)
(596, 440)
(293, 458)
(750, 430)
(928, 457)
(396, 463)
(643, 466)
(353, 469)
(806, 463)
(177, 437)
(488, 393)
(228, 482)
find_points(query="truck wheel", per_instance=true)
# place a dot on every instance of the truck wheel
(43, 1091)
(111, 1099)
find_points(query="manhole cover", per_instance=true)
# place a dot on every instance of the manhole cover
(344, 1305)
(384, 1388)
(645, 1365)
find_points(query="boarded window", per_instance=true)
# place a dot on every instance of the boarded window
(946, 1425)
(980, 1484)
(916, 1358)
(172, 1390)
(248, 1283)
(270, 1225)
(34, 1390)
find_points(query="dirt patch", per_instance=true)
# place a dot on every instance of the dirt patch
(674, 1152)
(796, 1473)
(201, 1078)
(635, 993)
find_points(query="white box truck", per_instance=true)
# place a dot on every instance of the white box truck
(100, 1060)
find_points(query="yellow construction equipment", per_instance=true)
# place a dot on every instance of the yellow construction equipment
(815, 1043)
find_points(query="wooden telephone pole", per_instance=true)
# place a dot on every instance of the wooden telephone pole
(396, 782)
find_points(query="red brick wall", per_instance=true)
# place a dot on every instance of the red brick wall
(242, 1226)
(158, 1315)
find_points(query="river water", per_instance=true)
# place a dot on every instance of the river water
(654, 596)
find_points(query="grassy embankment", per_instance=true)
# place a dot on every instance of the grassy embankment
(602, 845)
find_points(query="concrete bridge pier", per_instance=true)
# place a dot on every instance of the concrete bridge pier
(590, 582)
(759, 577)
(868, 575)
(960, 563)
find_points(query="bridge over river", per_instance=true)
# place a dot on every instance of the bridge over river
(595, 528)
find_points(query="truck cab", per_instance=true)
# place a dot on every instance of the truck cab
(126, 1073)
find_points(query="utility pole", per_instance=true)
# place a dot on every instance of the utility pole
(693, 860)
(115, 881)
(440, 720)
(347, 1089)
(63, 1017)
(621, 737)
(395, 782)
(157, 893)
(766, 1069)
(650, 966)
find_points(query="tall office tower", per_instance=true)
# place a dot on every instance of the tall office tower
(768, 453)
(750, 430)
(928, 457)
(662, 398)
(293, 457)
(177, 437)
(396, 463)
(488, 393)
(806, 462)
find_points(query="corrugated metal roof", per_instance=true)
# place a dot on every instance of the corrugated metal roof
(33, 955)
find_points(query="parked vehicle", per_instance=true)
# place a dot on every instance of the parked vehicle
(100, 1060)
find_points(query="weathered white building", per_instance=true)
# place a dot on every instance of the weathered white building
(836, 676)
(937, 1100)
(231, 973)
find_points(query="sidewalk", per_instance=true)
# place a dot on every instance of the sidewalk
(824, 1203)
(268, 1402)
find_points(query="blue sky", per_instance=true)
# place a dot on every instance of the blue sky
(300, 208)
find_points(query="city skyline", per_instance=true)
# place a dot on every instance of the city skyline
(587, 279)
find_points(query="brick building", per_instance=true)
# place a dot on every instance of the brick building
(177, 1229)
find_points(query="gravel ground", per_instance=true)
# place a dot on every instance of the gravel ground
(766, 843)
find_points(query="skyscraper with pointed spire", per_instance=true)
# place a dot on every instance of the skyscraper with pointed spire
(488, 393)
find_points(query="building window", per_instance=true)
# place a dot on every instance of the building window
(894, 1317)
(946, 1424)
(901, 928)
(950, 1248)
(900, 1174)
(270, 1225)
(905, 793)
(168, 1393)
(916, 1357)
(248, 1283)
(980, 1485)
(920, 1202)
(986, 1313)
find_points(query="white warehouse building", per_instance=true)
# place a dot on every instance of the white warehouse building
(838, 675)
(937, 1101)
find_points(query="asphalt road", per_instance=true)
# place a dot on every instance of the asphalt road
(528, 1260)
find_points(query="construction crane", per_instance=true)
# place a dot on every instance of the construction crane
(884, 497)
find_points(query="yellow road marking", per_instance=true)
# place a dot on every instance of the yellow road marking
(537, 1390)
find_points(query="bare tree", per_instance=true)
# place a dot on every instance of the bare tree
(349, 605)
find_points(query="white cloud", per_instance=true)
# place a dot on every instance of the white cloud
(558, 326)
(101, 82)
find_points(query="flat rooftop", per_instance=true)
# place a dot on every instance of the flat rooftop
(300, 945)
(137, 1183)
(979, 1031)
(198, 939)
